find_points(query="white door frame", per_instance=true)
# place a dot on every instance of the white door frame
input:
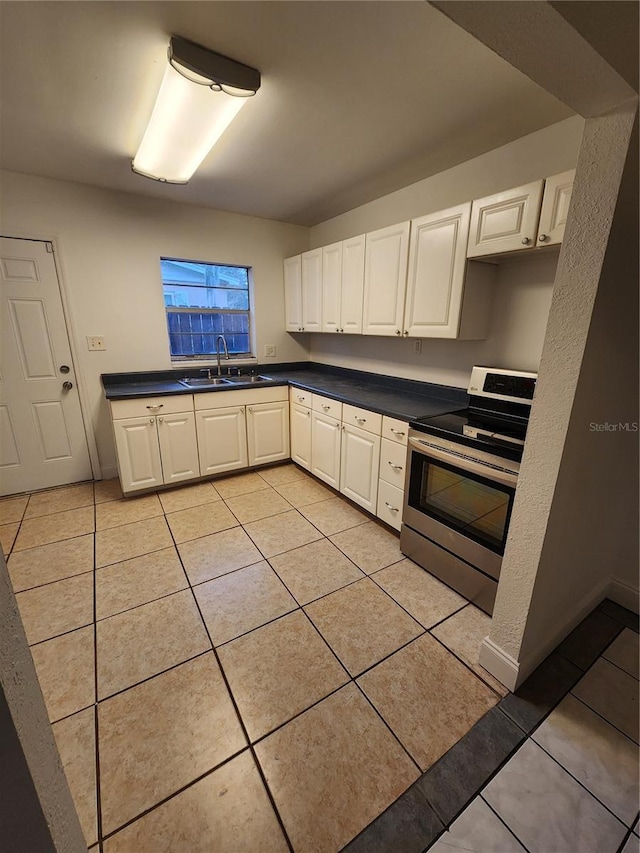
(85, 408)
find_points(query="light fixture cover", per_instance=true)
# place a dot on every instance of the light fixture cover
(200, 95)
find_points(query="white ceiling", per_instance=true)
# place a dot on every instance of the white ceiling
(358, 98)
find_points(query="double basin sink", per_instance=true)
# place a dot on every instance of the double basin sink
(215, 381)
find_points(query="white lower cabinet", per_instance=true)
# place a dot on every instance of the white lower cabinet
(359, 465)
(138, 453)
(268, 432)
(178, 447)
(325, 448)
(390, 500)
(222, 439)
(301, 435)
(155, 448)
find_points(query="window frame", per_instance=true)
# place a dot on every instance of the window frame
(200, 358)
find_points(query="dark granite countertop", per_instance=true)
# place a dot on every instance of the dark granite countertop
(404, 399)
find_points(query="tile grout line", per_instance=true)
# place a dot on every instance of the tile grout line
(95, 665)
(598, 714)
(238, 715)
(503, 822)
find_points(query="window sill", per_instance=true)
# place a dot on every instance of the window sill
(204, 363)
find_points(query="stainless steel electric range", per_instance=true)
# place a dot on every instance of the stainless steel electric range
(462, 472)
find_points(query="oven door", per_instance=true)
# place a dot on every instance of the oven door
(463, 504)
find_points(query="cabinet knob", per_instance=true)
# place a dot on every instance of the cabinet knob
(398, 331)
(160, 420)
(526, 241)
(405, 333)
(151, 420)
(250, 409)
(543, 238)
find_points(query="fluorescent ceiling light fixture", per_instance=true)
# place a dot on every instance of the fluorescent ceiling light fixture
(201, 93)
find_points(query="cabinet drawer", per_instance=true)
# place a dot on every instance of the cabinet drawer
(390, 504)
(395, 430)
(328, 407)
(169, 405)
(362, 418)
(239, 397)
(393, 459)
(299, 397)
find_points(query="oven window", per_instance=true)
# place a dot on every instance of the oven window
(474, 506)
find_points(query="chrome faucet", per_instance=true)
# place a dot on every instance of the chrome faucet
(226, 351)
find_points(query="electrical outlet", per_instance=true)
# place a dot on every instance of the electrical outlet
(418, 346)
(269, 351)
(96, 343)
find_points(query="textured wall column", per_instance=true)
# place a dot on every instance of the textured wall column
(37, 813)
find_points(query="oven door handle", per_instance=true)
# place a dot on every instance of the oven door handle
(500, 475)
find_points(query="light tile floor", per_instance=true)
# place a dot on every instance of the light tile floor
(238, 664)
(251, 664)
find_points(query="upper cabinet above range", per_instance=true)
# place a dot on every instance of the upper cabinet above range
(520, 218)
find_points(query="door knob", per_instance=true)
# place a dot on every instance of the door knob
(67, 386)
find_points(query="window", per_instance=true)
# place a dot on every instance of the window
(203, 301)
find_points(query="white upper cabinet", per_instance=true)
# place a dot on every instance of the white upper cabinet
(331, 287)
(385, 275)
(555, 207)
(352, 285)
(435, 284)
(293, 294)
(505, 222)
(312, 291)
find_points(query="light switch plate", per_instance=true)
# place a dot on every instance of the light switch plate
(269, 351)
(96, 342)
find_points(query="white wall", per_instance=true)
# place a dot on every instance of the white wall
(524, 290)
(109, 248)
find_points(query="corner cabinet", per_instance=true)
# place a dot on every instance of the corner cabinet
(268, 432)
(155, 441)
(385, 275)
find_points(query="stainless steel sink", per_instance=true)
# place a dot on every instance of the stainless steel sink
(203, 382)
(251, 379)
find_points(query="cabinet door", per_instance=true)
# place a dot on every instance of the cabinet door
(138, 453)
(352, 285)
(222, 439)
(331, 287)
(359, 466)
(385, 275)
(505, 222)
(325, 448)
(312, 291)
(555, 207)
(301, 435)
(437, 262)
(293, 294)
(178, 447)
(268, 432)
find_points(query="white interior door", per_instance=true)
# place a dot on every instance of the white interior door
(42, 436)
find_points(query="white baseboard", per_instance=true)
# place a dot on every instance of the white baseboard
(624, 594)
(109, 473)
(500, 664)
(511, 672)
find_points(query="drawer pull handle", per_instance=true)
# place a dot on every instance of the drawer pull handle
(391, 508)
(397, 432)
(395, 467)
(301, 399)
(361, 420)
(157, 406)
(326, 408)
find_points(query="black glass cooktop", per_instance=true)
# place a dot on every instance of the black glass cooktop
(491, 432)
